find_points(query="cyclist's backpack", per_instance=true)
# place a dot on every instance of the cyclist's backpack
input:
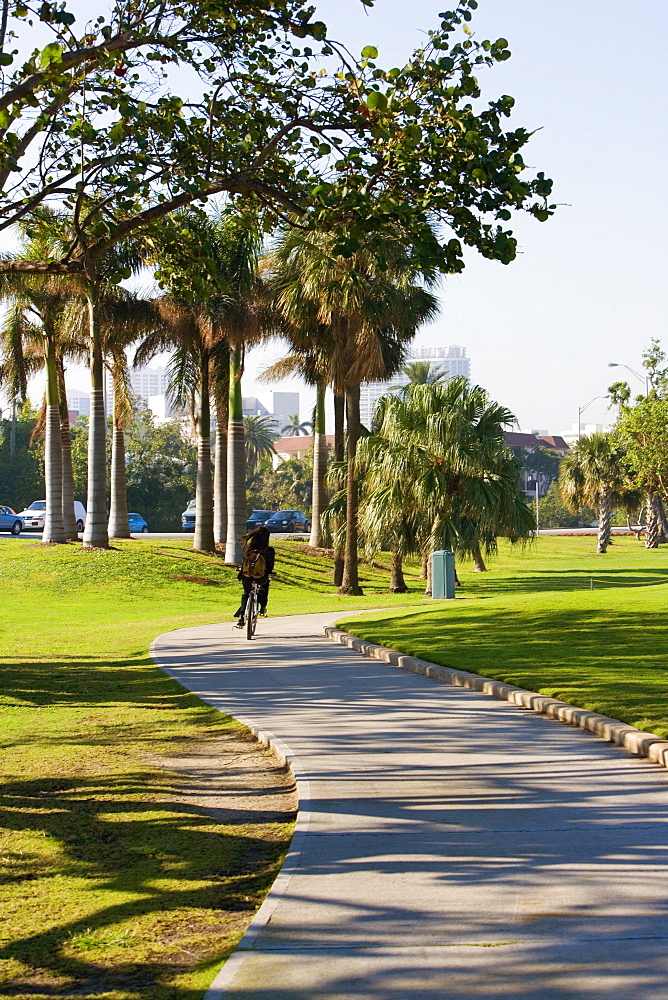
(254, 566)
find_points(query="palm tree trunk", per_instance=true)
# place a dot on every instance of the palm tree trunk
(118, 507)
(319, 494)
(95, 534)
(339, 446)
(236, 466)
(427, 588)
(661, 517)
(350, 583)
(652, 532)
(478, 561)
(69, 517)
(604, 519)
(424, 568)
(220, 471)
(203, 540)
(54, 529)
(397, 582)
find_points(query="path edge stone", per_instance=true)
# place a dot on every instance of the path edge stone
(635, 741)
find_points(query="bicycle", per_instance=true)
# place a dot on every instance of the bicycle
(252, 610)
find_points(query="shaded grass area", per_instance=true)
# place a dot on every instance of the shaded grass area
(112, 889)
(534, 621)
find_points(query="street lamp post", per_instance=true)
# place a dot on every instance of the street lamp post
(581, 410)
(643, 378)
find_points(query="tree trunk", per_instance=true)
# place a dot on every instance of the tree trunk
(236, 466)
(478, 561)
(604, 519)
(203, 540)
(118, 508)
(652, 532)
(339, 446)
(220, 471)
(95, 534)
(54, 529)
(423, 569)
(661, 517)
(397, 582)
(427, 589)
(350, 583)
(319, 493)
(69, 517)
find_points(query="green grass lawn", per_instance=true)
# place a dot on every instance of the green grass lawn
(110, 889)
(534, 621)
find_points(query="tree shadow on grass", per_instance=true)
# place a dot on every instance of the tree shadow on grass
(146, 865)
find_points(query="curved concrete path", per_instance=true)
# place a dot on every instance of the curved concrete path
(458, 847)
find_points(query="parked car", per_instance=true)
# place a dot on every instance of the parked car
(137, 523)
(258, 517)
(288, 520)
(188, 517)
(10, 521)
(33, 516)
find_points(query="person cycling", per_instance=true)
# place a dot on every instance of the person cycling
(257, 565)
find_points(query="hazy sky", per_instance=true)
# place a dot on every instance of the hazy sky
(588, 286)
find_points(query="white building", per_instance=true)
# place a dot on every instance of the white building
(79, 401)
(147, 382)
(451, 361)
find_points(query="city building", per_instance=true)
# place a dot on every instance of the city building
(283, 406)
(79, 401)
(451, 361)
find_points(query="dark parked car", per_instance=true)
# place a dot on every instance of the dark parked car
(9, 521)
(288, 520)
(188, 517)
(258, 517)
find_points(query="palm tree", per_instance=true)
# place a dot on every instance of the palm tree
(259, 440)
(594, 474)
(45, 298)
(294, 428)
(210, 329)
(123, 318)
(438, 451)
(312, 365)
(364, 310)
(422, 373)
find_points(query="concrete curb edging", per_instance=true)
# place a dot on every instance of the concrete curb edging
(612, 730)
(218, 987)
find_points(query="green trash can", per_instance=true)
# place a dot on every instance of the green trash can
(442, 575)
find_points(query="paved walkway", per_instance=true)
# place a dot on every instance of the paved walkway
(458, 847)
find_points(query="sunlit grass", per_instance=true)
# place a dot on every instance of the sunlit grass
(110, 888)
(535, 621)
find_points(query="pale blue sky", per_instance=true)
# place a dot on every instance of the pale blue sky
(589, 286)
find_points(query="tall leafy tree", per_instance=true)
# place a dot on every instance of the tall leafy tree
(358, 144)
(642, 430)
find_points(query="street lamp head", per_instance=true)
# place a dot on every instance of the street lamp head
(613, 364)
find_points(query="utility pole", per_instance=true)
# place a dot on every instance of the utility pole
(12, 433)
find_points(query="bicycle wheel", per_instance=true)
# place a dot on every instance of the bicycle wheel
(251, 614)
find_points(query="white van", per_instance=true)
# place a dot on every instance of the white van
(33, 516)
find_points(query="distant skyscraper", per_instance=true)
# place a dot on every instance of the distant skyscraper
(451, 361)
